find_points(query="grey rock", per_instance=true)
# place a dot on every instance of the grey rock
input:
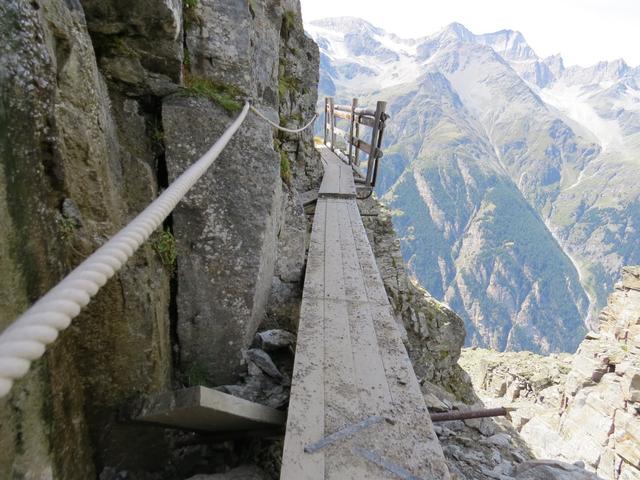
(237, 232)
(81, 119)
(283, 307)
(483, 425)
(292, 239)
(500, 439)
(71, 212)
(225, 234)
(588, 396)
(631, 277)
(239, 473)
(434, 404)
(264, 362)
(139, 44)
(259, 387)
(435, 334)
(551, 470)
(62, 140)
(498, 475)
(275, 339)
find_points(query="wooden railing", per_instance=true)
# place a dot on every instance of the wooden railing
(353, 138)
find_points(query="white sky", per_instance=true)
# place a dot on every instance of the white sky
(583, 31)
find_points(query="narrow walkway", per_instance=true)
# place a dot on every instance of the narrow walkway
(352, 375)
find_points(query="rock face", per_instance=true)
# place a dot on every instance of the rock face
(241, 229)
(225, 232)
(63, 168)
(102, 103)
(576, 408)
(434, 334)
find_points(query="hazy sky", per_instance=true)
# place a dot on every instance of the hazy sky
(583, 31)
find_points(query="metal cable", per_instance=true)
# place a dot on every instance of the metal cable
(274, 124)
(26, 338)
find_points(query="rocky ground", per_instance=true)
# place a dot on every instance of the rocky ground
(583, 407)
(475, 449)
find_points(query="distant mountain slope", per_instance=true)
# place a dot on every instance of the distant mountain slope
(513, 179)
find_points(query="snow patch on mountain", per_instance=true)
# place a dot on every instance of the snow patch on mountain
(390, 57)
(574, 102)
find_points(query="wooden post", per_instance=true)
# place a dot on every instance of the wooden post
(375, 133)
(326, 118)
(378, 146)
(356, 160)
(332, 119)
(354, 105)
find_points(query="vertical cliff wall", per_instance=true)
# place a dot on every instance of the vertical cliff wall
(102, 103)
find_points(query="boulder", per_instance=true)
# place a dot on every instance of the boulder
(225, 232)
(551, 470)
(138, 44)
(239, 473)
(275, 339)
(631, 277)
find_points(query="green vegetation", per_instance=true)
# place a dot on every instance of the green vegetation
(294, 117)
(195, 376)
(287, 83)
(285, 168)
(288, 22)
(189, 12)
(187, 58)
(164, 244)
(67, 228)
(156, 131)
(225, 95)
(252, 7)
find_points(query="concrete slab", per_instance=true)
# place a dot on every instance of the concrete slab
(205, 409)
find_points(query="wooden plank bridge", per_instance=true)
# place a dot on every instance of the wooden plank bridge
(356, 409)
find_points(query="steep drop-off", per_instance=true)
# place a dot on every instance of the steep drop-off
(511, 177)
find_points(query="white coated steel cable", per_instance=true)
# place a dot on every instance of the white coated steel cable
(274, 124)
(26, 338)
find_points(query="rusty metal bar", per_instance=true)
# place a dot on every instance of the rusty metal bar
(468, 414)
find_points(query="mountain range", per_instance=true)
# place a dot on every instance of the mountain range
(512, 179)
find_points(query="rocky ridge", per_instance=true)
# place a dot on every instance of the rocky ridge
(584, 407)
